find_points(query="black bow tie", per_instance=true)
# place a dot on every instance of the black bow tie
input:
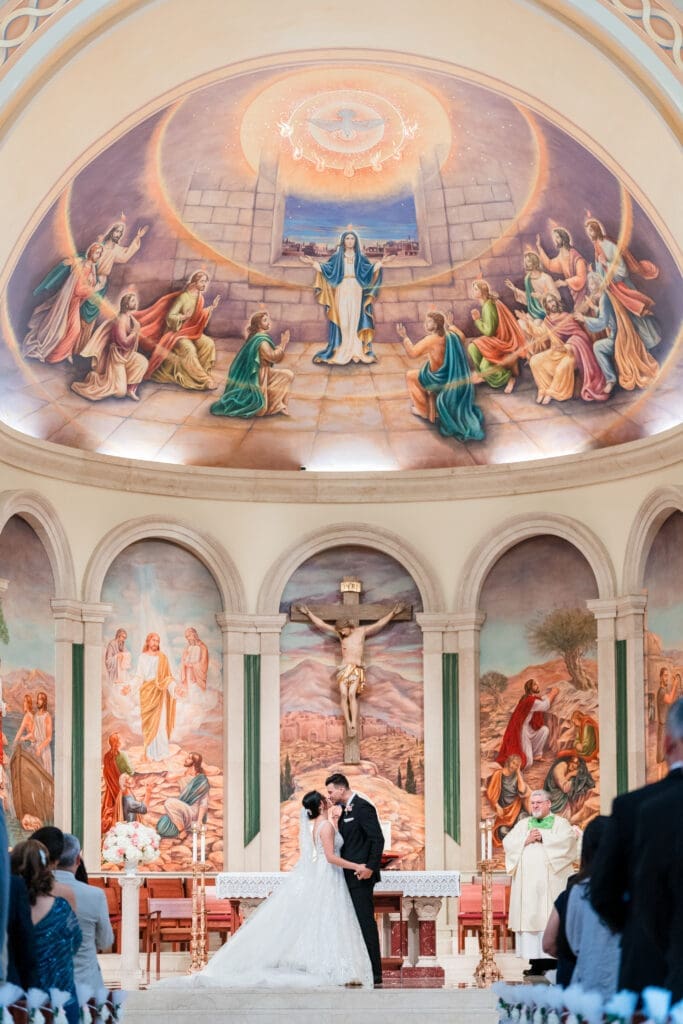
(343, 806)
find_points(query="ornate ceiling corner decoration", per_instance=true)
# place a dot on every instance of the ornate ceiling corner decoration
(658, 21)
(19, 20)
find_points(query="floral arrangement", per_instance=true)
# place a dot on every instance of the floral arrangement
(37, 1007)
(129, 842)
(552, 1004)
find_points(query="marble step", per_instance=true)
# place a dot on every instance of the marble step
(340, 1006)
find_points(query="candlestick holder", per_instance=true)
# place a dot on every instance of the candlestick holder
(487, 970)
(199, 947)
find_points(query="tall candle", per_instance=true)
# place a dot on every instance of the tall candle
(489, 840)
(194, 844)
(203, 844)
(483, 840)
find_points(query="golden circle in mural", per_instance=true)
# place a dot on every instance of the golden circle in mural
(329, 125)
(347, 130)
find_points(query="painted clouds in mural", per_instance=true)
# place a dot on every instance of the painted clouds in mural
(162, 749)
(538, 686)
(27, 683)
(269, 297)
(663, 638)
(391, 768)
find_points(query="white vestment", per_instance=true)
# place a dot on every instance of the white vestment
(539, 874)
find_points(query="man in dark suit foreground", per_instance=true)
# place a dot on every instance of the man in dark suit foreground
(363, 842)
(613, 881)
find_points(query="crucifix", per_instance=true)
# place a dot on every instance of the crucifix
(346, 627)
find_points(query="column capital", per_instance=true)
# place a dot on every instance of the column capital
(250, 623)
(95, 612)
(631, 604)
(450, 622)
(62, 608)
(603, 609)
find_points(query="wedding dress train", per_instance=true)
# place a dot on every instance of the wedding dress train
(306, 935)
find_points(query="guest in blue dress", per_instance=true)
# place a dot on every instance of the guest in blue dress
(55, 926)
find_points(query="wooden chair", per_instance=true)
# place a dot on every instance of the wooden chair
(222, 916)
(390, 903)
(166, 888)
(469, 911)
(101, 883)
(169, 920)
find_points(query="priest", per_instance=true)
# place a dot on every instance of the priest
(539, 854)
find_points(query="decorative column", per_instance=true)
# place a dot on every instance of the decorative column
(631, 630)
(269, 629)
(68, 631)
(605, 614)
(93, 616)
(130, 930)
(468, 626)
(252, 635)
(4, 757)
(434, 627)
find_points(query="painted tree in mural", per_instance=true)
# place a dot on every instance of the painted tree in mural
(494, 682)
(4, 632)
(410, 778)
(286, 780)
(570, 632)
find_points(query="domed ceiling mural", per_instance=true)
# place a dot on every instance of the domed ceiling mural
(342, 267)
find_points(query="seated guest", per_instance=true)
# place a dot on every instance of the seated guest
(53, 840)
(596, 947)
(555, 942)
(55, 926)
(92, 914)
(500, 345)
(22, 965)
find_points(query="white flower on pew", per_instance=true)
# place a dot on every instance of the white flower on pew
(591, 1008)
(59, 999)
(9, 995)
(656, 1002)
(84, 994)
(677, 1013)
(118, 999)
(622, 1005)
(573, 1000)
(35, 1003)
(102, 1005)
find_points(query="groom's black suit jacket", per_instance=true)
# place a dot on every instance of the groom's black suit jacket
(363, 840)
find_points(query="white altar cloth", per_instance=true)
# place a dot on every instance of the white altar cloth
(259, 884)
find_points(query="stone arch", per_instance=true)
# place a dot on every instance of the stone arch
(208, 550)
(42, 517)
(523, 527)
(649, 519)
(349, 533)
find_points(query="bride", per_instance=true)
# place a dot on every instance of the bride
(306, 934)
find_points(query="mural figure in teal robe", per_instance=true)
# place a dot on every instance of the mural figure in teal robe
(254, 387)
(442, 389)
(191, 807)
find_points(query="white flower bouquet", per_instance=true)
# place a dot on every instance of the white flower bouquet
(130, 843)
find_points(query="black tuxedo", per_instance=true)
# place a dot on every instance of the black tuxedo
(613, 880)
(363, 843)
(658, 888)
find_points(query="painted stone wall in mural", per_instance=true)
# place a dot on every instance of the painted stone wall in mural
(27, 695)
(663, 637)
(538, 686)
(391, 766)
(162, 700)
(333, 209)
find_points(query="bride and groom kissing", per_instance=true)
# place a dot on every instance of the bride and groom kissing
(318, 928)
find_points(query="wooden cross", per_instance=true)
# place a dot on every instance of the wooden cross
(351, 609)
(333, 616)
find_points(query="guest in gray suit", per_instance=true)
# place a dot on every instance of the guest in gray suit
(92, 914)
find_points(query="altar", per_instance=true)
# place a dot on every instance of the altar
(407, 905)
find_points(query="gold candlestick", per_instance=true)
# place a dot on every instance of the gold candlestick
(487, 970)
(199, 953)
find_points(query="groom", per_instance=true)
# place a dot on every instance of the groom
(363, 842)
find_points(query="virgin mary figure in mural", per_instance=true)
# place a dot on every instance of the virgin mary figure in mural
(346, 285)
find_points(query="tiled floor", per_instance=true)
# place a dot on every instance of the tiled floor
(341, 418)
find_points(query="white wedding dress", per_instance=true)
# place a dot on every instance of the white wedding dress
(306, 935)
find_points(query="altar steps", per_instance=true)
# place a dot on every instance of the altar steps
(324, 1006)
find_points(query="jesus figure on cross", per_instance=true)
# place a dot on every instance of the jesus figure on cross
(351, 674)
